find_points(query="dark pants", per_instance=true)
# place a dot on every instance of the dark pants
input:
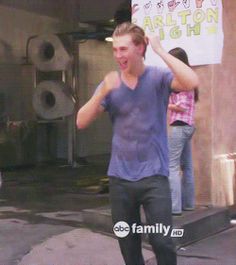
(154, 194)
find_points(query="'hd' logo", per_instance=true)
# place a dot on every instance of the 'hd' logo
(177, 232)
(121, 229)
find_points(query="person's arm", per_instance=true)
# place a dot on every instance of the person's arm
(184, 77)
(179, 102)
(91, 110)
(176, 108)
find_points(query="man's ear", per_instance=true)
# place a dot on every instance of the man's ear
(141, 49)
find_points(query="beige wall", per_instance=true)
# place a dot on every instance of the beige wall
(95, 60)
(17, 26)
(16, 78)
(224, 87)
(216, 119)
(202, 140)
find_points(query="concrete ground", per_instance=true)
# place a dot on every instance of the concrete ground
(82, 246)
(40, 222)
(215, 250)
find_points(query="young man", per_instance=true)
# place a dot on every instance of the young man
(137, 99)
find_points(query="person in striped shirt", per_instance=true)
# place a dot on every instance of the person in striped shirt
(182, 108)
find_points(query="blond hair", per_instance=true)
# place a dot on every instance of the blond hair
(137, 34)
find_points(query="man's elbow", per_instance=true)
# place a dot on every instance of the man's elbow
(195, 82)
(190, 85)
(80, 124)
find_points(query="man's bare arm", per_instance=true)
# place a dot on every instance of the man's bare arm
(184, 77)
(91, 110)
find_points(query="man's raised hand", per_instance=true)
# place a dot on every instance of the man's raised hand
(155, 43)
(111, 81)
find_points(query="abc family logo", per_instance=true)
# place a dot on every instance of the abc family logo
(121, 229)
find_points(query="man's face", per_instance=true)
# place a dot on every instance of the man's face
(126, 53)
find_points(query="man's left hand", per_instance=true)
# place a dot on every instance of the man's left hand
(155, 43)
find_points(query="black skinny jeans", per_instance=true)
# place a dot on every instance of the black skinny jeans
(154, 194)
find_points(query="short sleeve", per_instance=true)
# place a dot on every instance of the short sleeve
(167, 80)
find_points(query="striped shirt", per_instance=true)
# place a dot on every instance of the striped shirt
(184, 100)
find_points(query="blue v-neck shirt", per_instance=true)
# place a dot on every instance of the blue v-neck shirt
(139, 117)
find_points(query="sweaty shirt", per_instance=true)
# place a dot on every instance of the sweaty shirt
(139, 142)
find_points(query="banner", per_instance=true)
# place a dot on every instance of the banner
(194, 25)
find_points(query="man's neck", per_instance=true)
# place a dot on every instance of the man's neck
(135, 72)
(131, 78)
